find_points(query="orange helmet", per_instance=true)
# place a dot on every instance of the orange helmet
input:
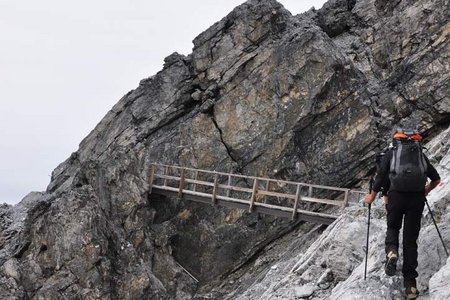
(408, 135)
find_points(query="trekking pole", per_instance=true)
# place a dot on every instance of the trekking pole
(368, 229)
(439, 233)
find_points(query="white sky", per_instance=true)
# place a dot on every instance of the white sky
(64, 64)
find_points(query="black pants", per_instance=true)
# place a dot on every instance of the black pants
(410, 206)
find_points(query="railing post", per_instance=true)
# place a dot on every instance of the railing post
(195, 178)
(297, 199)
(345, 203)
(229, 184)
(152, 178)
(267, 189)
(310, 190)
(255, 190)
(181, 187)
(166, 172)
(214, 193)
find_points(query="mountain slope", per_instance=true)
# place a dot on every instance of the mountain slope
(310, 97)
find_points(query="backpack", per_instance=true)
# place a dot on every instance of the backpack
(408, 167)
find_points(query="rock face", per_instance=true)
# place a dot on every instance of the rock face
(310, 97)
(333, 266)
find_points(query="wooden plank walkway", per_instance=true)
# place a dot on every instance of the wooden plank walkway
(280, 198)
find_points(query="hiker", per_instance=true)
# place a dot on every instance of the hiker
(405, 169)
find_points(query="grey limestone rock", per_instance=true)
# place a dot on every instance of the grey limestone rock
(310, 97)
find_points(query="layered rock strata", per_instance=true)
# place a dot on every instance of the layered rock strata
(310, 97)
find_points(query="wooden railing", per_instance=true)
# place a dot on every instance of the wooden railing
(271, 196)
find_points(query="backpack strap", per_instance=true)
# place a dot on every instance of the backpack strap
(422, 162)
(395, 161)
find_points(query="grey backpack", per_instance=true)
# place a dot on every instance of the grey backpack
(408, 170)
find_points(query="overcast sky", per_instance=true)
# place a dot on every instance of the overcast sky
(64, 64)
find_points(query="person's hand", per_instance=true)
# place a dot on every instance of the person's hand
(370, 198)
(427, 189)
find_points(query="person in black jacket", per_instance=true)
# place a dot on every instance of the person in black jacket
(407, 205)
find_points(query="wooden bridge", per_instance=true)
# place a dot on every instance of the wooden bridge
(288, 199)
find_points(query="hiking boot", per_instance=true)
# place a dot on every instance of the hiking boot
(391, 264)
(411, 291)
